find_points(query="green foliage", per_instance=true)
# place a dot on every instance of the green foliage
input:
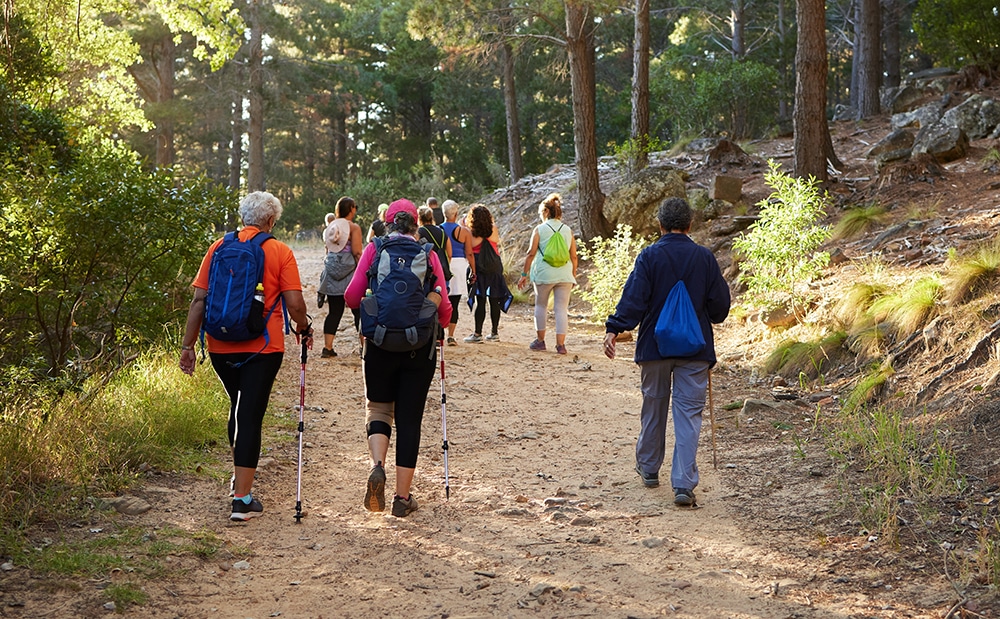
(807, 359)
(858, 220)
(54, 446)
(959, 32)
(896, 460)
(727, 97)
(868, 387)
(910, 308)
(97, 258)
(611, 261)
(780, 250)
(854, 305)
(974, 274)
(629, 150)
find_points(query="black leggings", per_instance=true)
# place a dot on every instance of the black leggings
(249, 390)
(496, 303)
(336, 312)
(403, 378)
(455, 301)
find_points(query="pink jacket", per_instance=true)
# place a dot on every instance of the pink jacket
(359, 283)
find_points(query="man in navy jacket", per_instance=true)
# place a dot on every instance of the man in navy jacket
(657, 268)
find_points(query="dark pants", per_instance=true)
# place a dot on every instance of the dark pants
(336, 312)
(403, 378)
(456, 300)
(496, 305)
(249, 390)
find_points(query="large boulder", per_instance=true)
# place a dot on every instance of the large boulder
(944, 142)
(977, 116)
(635, 202)
(893, 147)
(921, 117)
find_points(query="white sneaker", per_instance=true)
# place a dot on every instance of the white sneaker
(474, 338)
(493, 337)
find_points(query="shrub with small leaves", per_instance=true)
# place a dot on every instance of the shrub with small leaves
(780, 251)
(612, 260)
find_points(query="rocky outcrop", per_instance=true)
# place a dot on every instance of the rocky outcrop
(944, 142)
(893, 147)
(636, 200)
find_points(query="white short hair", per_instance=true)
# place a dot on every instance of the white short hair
(257, 207)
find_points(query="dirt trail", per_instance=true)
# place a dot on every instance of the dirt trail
(546, 516)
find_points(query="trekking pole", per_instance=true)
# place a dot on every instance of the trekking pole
(711, 420)
(444, 424)
(302, 407)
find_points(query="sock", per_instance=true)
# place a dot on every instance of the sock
(245, 498)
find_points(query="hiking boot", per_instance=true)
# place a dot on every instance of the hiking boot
(493, 337)
(245, 511)
(327, 353)
(650, 480)
(560, 349)
(452, 342)
(375, 492)
(474, 338)
(401, 507)
(683, 497)
(537, 345)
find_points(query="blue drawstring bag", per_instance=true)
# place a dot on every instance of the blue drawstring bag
(678, 332)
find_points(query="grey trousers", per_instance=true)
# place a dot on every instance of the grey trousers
(687, 382)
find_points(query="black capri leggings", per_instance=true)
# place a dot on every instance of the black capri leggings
(249, 390)
(403, 378)
(455, 301)
(496, 305)
(336, 312)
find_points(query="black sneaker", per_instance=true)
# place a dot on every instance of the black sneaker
(650, 480)
(243, 511)
(401, 507)
(375, 492)
(327, 353)
(684, 497)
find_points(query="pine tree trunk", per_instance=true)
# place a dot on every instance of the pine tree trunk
(510, 108)
(165, 124)
(640, 87)
(255, 166)
(580, 48)
(811, 132)
(868, 57)
(890, 42)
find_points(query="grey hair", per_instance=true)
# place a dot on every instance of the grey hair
(330, 217)
(257, 207)
(674, 214)
(450, 209)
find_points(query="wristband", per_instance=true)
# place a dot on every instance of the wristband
(523, 274)
(183, 347)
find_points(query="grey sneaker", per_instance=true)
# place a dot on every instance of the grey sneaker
(493, 337)
(650, 480)
(401, 507)
(375, 491)
(475, 337)
(684, 497)
(538, 345)
(244, 511)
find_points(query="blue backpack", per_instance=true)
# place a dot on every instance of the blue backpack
(234, 310)
(678, 332)
(396, 314)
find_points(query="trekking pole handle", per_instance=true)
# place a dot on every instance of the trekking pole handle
(306, 334)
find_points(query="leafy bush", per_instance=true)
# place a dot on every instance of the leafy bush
(734, 98)
(626, 153)
(959, 32)
(780, 250)
(611, 263)
(97, 258)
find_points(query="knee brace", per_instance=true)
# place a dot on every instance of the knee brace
(378, 417)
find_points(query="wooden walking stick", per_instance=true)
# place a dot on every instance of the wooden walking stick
(711, 420)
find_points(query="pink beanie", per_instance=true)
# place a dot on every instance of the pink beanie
(400, 206)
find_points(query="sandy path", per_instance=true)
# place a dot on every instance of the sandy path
(546, 516)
